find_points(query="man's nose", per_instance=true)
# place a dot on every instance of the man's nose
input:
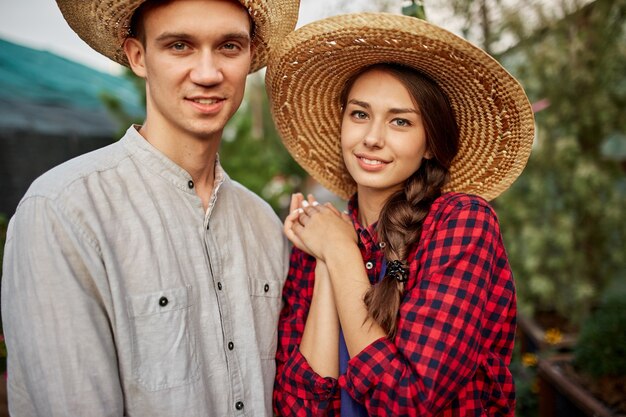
(206, 70)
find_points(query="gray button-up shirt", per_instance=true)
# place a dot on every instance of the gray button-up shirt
(122, 296)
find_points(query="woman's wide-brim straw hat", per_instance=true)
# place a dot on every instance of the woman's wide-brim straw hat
(306, 74)
(104, 25)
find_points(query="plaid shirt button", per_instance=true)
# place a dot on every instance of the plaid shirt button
(369, 265)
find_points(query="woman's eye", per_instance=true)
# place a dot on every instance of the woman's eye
(401, 122)
(358, 114)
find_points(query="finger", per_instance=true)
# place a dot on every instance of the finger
(309, 208)
(291, 218)
(332, 208)
(297, 242)
(288, 229)
(292, 203)
(296, 231)
(295, 201)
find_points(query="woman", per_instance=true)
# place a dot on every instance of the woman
(405, 305)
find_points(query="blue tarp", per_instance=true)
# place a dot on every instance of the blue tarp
(41, 91)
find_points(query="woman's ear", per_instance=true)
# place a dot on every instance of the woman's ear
(428, 154)
(136, 53)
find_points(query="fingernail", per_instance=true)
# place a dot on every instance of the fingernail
(305, 203)
(315, 203)
(300, 210)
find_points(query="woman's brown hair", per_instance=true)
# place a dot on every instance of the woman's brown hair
(400, 221)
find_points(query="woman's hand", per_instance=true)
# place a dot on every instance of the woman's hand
(295, 209)
(319, 229)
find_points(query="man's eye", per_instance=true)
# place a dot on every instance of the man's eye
(230, 46)
(179, 46)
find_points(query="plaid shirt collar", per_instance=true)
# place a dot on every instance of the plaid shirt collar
(368, 237)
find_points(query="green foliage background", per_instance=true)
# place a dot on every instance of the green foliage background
(253, 154)
(563, 220)
(593, 354)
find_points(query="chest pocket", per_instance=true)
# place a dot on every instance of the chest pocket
(163, 346)
(266, 300)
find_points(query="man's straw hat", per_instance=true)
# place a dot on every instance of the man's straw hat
(307, 72)
(104, 25)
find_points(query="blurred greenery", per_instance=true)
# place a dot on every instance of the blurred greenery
(253, 154)
(593, 354)
(415, 8)
(563, 220)
(115, 106)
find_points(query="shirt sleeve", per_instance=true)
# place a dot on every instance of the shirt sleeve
(299, 390)
(439, 342)
(61, 355)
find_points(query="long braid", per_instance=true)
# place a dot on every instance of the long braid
(400, 226)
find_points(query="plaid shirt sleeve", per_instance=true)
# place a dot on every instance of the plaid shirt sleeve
(298, 389)
(456, 325)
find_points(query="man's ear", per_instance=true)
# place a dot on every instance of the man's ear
(135, 53)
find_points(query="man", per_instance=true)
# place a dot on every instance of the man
(139, 279)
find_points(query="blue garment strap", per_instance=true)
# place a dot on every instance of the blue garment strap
(349, 407)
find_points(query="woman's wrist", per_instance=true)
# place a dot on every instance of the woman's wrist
(337, 258)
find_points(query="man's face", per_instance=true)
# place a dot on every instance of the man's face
(195, 61)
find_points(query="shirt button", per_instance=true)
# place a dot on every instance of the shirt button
(369, 265)
(239, 405)
(266, 288)
(163, 301)
(382, 245)
(231, 345)
(219, 286)
(190, 184)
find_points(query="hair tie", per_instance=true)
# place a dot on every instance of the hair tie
(397, 270)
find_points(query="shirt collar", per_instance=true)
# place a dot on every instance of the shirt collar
(161, 165)
(368, 239)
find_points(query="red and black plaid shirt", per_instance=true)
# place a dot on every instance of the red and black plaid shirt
(456, 326)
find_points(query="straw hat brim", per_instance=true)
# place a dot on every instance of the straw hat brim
(306, 74)
(104, 25)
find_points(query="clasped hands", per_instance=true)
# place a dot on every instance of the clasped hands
(318, 229)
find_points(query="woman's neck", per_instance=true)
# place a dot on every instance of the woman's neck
(370, 206)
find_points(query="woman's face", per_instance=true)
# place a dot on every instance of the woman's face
(383, 140)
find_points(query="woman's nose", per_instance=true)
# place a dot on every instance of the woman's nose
(374, 137)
